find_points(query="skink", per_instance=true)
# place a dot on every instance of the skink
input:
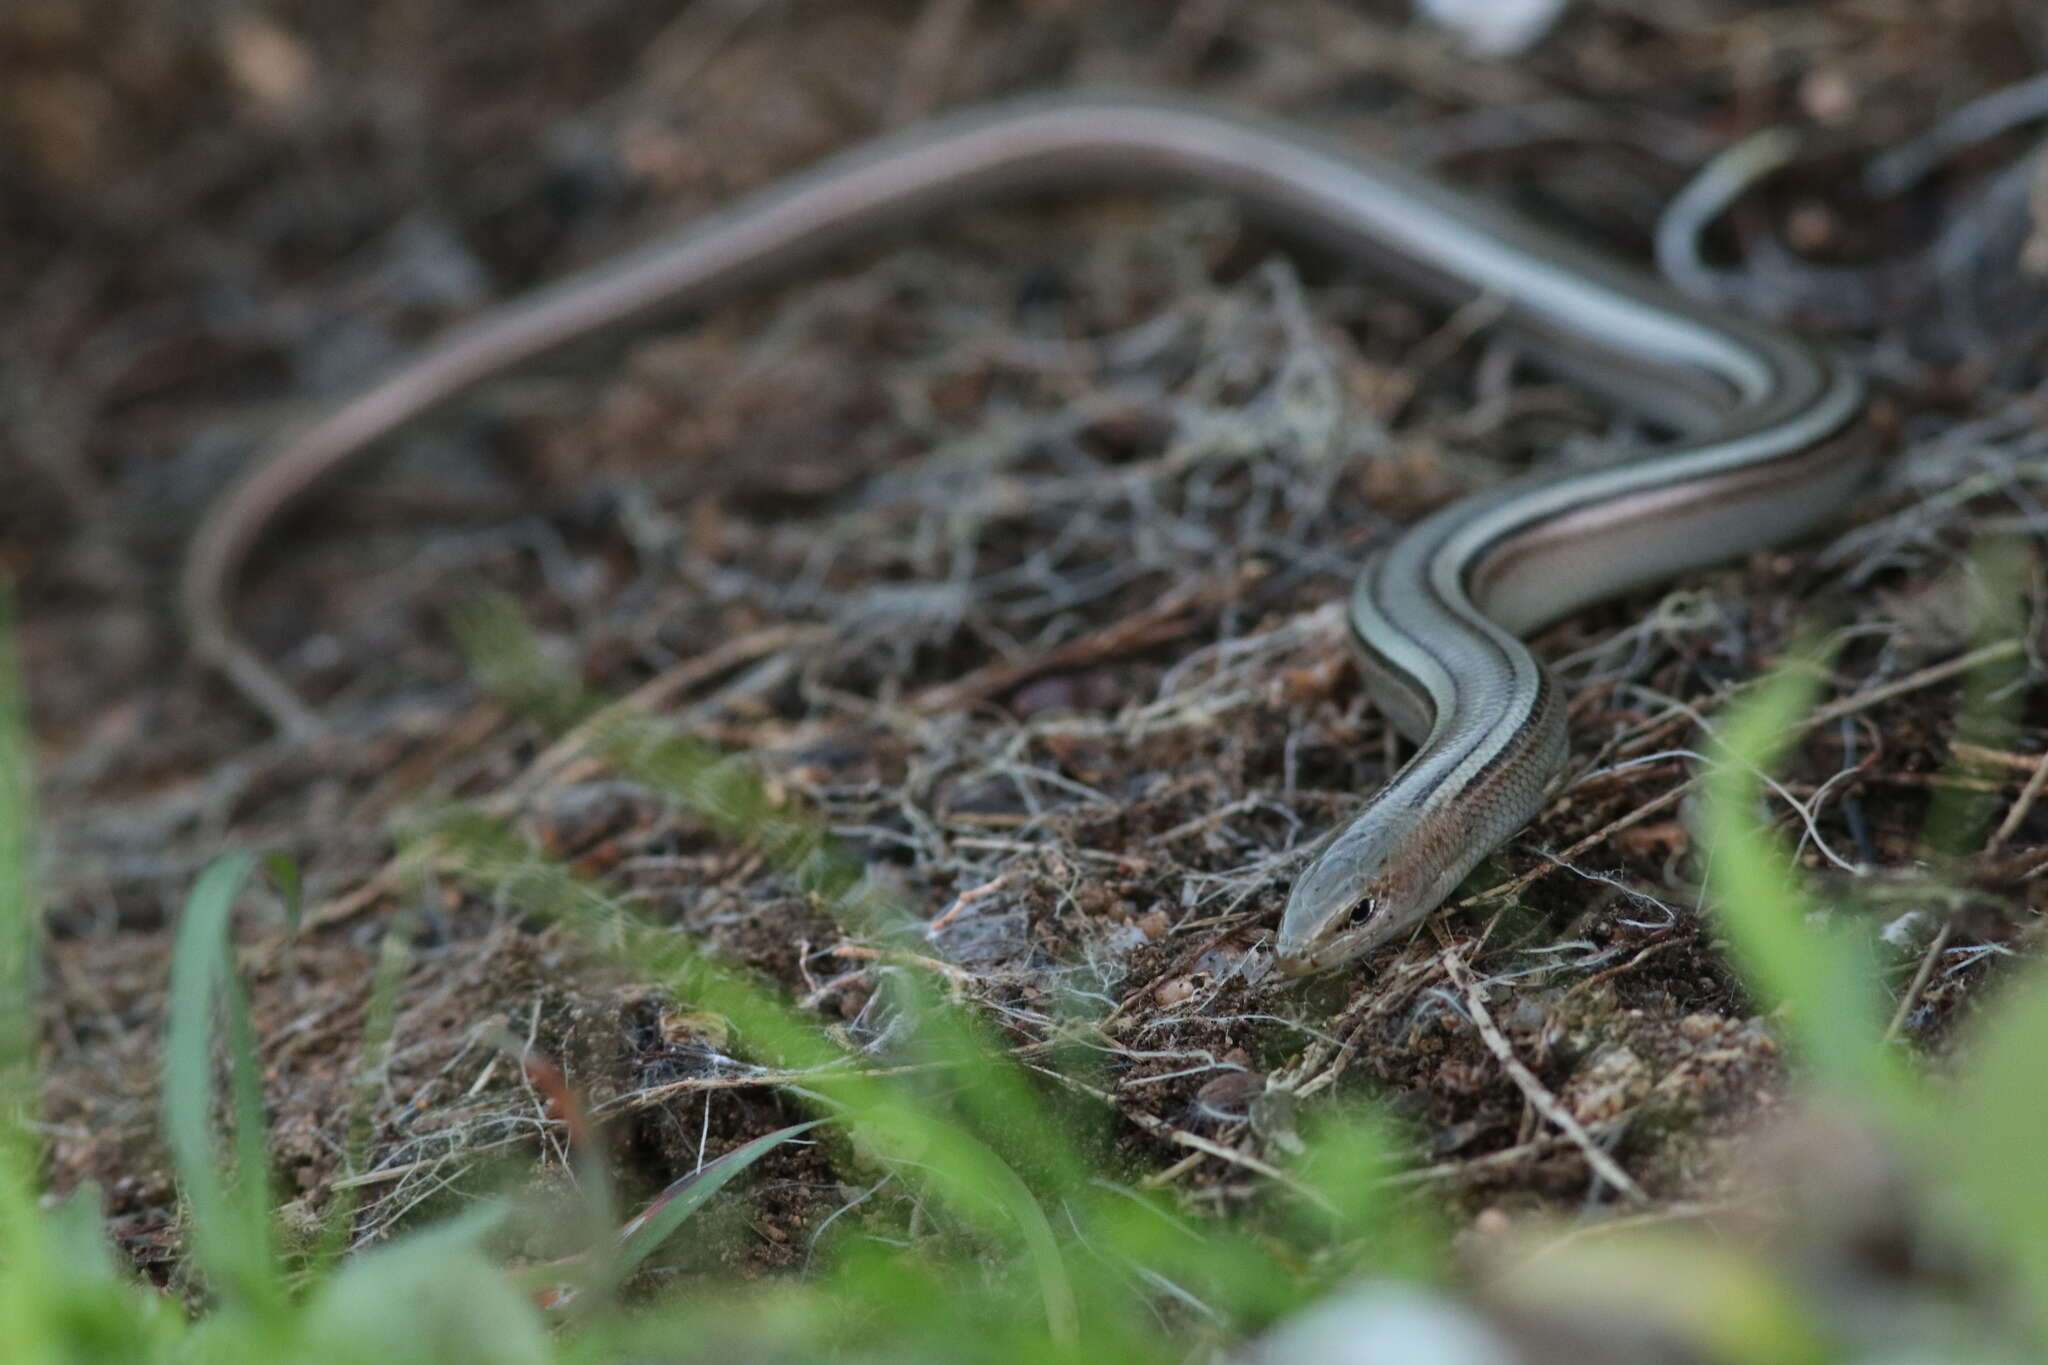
(1436, 613)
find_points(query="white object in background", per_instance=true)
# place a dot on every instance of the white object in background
(1384, 1323)
(1494, 28)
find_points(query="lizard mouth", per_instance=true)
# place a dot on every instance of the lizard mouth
(1320, 955)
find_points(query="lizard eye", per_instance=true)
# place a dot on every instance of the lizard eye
(1303, 946)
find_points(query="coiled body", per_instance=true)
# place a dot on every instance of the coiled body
(1436, 614)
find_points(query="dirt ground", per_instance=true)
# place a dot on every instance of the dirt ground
(1014, 546)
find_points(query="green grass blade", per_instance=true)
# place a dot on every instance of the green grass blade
(379, 1016)
(1822, 976)
(25, 1263)
(430, 1297)
(245, 1087)
(898, 1125)
(284, 871)
(1982, 1141)
(20, 916)
(729, 794)
(509, 664)
(669, 1209)
(1988, 716)
(230, 1211)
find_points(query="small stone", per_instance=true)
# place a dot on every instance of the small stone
(1699, 1028)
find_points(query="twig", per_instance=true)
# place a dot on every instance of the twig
(1995, 652)
(1921, 977)
(957, 979)
(2024, 802)
(643, 1099)
(1621, 969)
(1608, 1227)
(1532, 1089)
(962, 901)
(1159, 1180)
(1160, 1128)
(1997, 758)
(1506, 1156)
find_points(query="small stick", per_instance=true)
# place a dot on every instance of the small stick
(2020, 806)
(1160, 1128)
(1532, 1089)
(957, 979)
(1492, 1161)
(962, 901)
(1995, 652)
(1921, 977)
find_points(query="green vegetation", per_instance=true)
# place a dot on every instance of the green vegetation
(1030, 1250)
